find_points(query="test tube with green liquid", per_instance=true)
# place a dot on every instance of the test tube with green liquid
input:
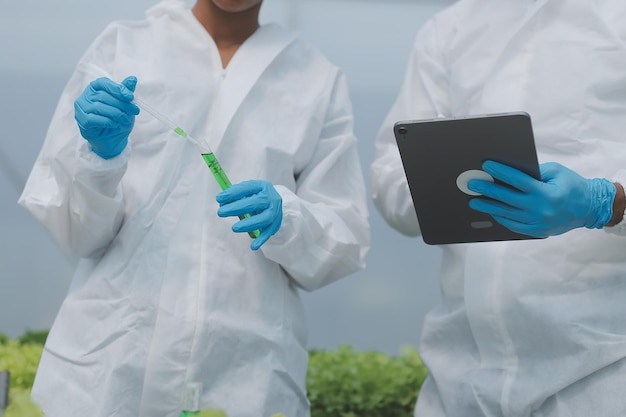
(223, 181)
(207, 154)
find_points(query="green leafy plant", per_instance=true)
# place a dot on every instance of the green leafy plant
(21, 360)
(345, 383)
(37, 337)
(21, 406)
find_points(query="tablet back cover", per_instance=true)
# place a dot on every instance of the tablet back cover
(435, 152)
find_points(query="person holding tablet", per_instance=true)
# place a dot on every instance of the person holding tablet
(529, 327)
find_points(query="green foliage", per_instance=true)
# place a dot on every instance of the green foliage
(341, 383)
(20, 405)
(212, 413)
(21, 361)
(37, 337)
(345, 383)
(3, 339)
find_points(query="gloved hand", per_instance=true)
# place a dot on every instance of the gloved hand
(105, 115)
(260, 200)
(561, 201)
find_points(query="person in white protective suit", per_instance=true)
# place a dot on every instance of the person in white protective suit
(533, 327)
(166, 293)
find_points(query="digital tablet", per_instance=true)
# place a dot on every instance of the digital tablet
(441, 155)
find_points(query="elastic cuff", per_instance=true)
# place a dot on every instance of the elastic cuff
(603, 194)
(619, 228)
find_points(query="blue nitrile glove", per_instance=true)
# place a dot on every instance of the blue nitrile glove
(260, 200)
(561, 201)
(105, 115)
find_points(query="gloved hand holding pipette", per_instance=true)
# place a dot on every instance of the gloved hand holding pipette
(261, 201)
(105, 115)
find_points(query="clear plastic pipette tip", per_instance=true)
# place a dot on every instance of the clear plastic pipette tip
(167, 122)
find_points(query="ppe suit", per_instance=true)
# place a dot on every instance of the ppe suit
(525, 328)
(165, 293)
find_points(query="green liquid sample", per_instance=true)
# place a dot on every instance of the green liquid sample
(217, 170)
(224, 182)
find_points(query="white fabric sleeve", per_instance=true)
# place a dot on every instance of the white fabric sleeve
(325, 233)
(422, 95)
(72, 192)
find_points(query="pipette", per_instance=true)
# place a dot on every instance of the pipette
(206, 152)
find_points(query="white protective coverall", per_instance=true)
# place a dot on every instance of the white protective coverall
(538, 327)
(165, 292)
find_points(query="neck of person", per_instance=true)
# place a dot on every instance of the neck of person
(228, 30)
